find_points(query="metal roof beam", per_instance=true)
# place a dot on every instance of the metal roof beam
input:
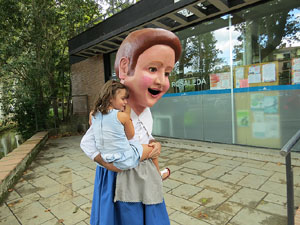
(220, 4)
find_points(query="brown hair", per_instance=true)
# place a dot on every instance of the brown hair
(139, 41)
(108, 92)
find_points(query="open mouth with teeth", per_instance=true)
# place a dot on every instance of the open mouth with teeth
(153, 92)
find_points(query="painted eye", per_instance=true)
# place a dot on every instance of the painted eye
(152, 69)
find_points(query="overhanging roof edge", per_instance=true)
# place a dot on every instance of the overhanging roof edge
(123, 28)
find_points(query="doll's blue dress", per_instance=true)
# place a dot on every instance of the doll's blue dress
(106, 212)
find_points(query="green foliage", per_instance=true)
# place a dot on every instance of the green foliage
(34, 61)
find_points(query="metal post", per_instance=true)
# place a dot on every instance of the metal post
(290, 190)
(232, 81)
(286, 152)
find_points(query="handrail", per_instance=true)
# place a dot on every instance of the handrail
(286, 149)
(286, 152)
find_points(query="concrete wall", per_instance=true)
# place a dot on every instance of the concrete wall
(87, 78)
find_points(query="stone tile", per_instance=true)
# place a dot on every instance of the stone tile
(278, 167)
(230, 208)
(204, 158)
(10, 220)
(178, 155)
(179, 204)
(255, 171)
(251, 216)
(13, 195)
(19, 203)
(80, 200)
(30, 175)
(220, 187)
(177, 161)
(27, 189)
(46, 192)
(70, 213)
(90, 180)
(87, 173)
(4, 211)
(186, 177)
(170, 210)
(92, 166)
(169, 183)
(272, 208)
(81, 223)
(181, 218)
(254, 164)
(253, 181)
(53, 221)
(191, 171)
(69, 178)
(279, 178)
(34, 213)
(75, 165)
(200, 166)
(173, 168)
(166, 189)
(274, 188)
(296, 170)
(248, 197)
(277, 199)
(87, 207)
(53, 176)
(211, 216)
(186, 191)
(87, 221)
(216, 172)
(87, 192)
(233, 176)
(40, 171)
(226, 162)
(209, 199)
(297, 181)
(43, 181)
(172, 222)
(55, 199)
(218, 155)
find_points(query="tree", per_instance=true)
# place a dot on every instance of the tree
(263, 34)
(34, 56)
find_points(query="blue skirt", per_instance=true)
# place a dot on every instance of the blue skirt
(106, 212)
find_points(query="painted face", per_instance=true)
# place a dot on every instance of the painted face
(150, 79)
(120, 100)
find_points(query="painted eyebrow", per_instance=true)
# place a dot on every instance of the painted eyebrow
(157, 63)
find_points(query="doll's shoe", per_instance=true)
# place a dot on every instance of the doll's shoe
(165, 173)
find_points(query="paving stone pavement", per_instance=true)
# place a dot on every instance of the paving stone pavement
(205, 188)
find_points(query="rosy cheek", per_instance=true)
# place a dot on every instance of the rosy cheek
(147, 81)
(166, 86)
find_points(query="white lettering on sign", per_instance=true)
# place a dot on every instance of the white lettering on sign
(188, 82)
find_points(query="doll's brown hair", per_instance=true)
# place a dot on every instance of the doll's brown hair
(139, 41)
(108, 92)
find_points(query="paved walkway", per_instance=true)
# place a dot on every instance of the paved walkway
(204, 187)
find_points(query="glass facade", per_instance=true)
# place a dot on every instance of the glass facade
(238, 79)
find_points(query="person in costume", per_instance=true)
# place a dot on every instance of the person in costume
(113, 128)
(143, 63)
